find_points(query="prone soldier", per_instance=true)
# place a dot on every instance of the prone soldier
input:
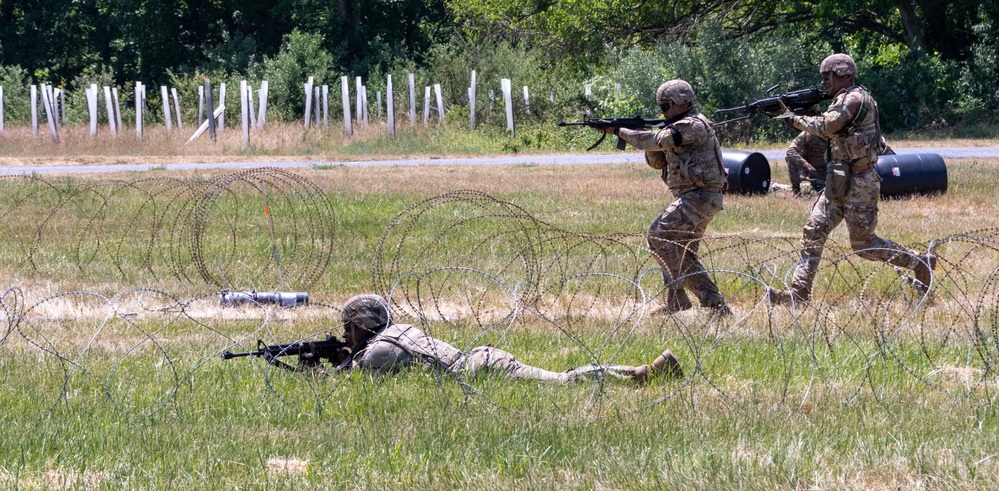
(380, 345)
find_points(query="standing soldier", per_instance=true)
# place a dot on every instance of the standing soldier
(689, 156)
(806, 159)
(852, 185)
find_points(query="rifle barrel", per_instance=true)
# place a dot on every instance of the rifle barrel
(228, 355)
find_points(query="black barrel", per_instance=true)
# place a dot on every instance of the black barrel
(917, 173)
(748, 172)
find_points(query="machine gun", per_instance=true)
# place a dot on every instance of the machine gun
(797, 102)
(310, 353)
(633, 123)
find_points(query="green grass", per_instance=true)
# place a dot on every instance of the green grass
(823, 404)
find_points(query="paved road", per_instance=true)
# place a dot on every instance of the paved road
(615, 158)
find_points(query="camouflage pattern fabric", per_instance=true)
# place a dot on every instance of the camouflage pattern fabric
(851, 126)
(689, 156)
(674, 238)
(401, 345)
(806, 148)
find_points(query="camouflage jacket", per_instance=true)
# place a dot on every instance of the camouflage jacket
(850, 124)
(401, 345)
(686, 151)
(808, 148)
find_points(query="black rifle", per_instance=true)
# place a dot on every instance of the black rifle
(310, 353)
(634, 123)
(798, 102)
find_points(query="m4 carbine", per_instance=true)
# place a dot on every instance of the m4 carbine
(310, 353)
(634, 123)
(797, 102)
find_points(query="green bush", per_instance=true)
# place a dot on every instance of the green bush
(725, 72)
(301, 56)
(980, 101)
(16, 94)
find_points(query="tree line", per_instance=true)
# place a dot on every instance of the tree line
(932, 64)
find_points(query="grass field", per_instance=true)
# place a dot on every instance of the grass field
(112, 377)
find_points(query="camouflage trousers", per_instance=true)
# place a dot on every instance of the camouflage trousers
(490, 359)
(674, 238)
(859, 208)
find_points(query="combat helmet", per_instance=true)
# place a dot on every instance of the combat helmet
(841, 64)
(369, 312)
(675, 91)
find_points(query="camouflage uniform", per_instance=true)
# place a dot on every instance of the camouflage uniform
(851, 126)
(389, 347)
(401, 345)
(810, 149)
(689, 157)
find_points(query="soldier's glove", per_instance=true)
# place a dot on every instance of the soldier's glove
(780, 112)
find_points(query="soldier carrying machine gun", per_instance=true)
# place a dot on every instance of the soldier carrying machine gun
(797, 102)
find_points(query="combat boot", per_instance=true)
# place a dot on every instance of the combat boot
(666, 364)
(784, 297)
(924, 270)
(676, 301)
(722, 310)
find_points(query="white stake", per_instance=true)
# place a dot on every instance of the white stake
(138, 110)
(34, 110)
(167, 118)
(440, 103)
(244, 106)
(412, 100)
(112, 122)
(315, 106)
(253, 115)
(389, 107)
(204, 126)
(262, 113)
(117, 106)
(308, 102)
(345, 93)
(508, 102)
(92, 106)
(49, 111)
(358, 110)
(176, 107)
(326, 106)
(220, 127)
(471, 102)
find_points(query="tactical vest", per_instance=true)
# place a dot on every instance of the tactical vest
(861, 138)
(694, 165)
(399, 345)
